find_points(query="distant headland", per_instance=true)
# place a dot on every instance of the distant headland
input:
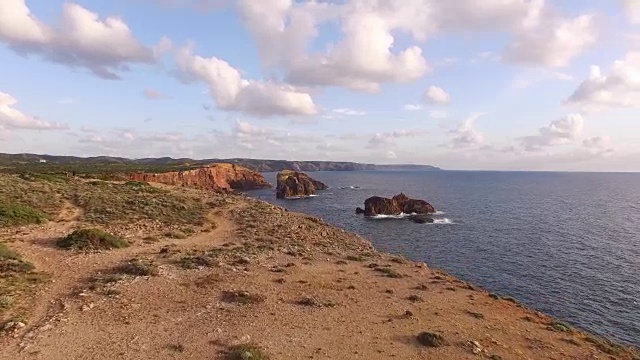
(27, 162)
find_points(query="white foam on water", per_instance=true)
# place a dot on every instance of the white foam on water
(300, 197)
(443, 221)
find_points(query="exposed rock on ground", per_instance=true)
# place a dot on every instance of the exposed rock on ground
(293, 184)
(216, 177)
(399, 204)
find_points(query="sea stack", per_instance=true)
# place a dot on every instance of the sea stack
(217, 177)
(399, 204)
(293, 184)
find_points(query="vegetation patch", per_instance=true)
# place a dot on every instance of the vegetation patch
(242, 297)
(17, 279)
(194, 262)
(312, 301)
(91, 239)
(430, 339)
(389, 272)
(175, 234)
(106, 202)
(245, 352)
(17, 214)
(22, 197)
(560, 327)
(12, 263)
(138, 267)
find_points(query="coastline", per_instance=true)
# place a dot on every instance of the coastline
(289, 283)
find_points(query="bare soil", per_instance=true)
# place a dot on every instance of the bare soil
(288, 284)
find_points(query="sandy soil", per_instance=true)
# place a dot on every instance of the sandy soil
(290, 284)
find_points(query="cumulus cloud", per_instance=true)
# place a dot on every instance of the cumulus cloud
(12, 118)
(103, 46)
(552, 40)
(367, 53)
(233, 93)
(466, 135)
(559, 132)
(436, 95)
(632, 10)
(620, 88)
(362, 59)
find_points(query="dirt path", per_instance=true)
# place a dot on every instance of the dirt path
(69, 269)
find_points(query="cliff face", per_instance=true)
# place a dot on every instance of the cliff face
(293, 183)
(216, 177)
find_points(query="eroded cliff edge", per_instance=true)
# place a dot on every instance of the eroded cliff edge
(216, 177)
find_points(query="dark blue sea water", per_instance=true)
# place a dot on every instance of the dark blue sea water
(567, 244)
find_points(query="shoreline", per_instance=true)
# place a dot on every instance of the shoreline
(288, 284)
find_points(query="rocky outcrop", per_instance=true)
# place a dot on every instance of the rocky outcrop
(293, 184)
(399, 204)
(215, 177)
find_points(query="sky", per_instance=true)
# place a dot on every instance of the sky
(460, 84)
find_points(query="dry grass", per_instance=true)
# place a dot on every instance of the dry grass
(17, 279)
(25, 202)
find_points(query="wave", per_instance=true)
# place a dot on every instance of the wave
(300, 197)
(349, 187)
(441, 221)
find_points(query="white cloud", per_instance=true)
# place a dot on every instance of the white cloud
(596, 142)
(233, 93)
(436, 95)
(105, 47)
(632, 10)
(12, 118)
(412, 107)
(621, 88)
(552, 42)
(362, 60)
(350, 112)
(466, 135)
(559, 132)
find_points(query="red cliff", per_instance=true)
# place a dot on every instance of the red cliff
(216, 177)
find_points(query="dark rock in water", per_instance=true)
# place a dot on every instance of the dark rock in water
(421, 219)
(397, 205)
(431, 339)
(359, 210)
(295, 184)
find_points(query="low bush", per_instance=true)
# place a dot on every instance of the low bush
(17, 214)
(91, 239)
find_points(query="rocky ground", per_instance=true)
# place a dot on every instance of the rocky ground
(242, 279)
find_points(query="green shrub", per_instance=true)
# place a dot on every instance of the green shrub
(12, 262)
(16, 215)
(91, 239)
(246, 352)
(138, 267)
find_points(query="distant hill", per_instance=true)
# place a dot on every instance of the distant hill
(108, 164)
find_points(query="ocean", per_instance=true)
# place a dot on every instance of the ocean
(567, 244)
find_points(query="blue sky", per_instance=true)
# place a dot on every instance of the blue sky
(502, 84)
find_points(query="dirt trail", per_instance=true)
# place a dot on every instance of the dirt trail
(69, 269)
